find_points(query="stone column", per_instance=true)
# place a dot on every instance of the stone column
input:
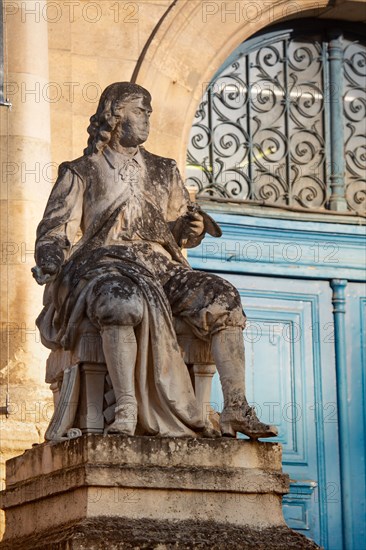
(25, 185)
(337, 200)
(339, 287)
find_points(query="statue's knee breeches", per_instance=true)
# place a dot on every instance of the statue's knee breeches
(115, 301)
(207, 302)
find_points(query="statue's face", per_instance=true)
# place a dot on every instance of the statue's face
(135, 122)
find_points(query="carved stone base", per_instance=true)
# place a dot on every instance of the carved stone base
(141, 492)
(123, 533)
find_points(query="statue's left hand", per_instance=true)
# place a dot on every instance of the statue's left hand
(195, 225)
(41, 277)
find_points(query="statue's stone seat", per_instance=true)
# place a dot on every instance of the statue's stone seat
(83, 395)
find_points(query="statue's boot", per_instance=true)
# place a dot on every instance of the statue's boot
(243, 419)
(120, 351)
(125, 420)
(237, 416)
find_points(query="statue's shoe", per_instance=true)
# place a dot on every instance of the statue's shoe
(125, 420)
(212, 424)
(239, 419)
(120, 428)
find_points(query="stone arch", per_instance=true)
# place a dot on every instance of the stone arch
(195, 39)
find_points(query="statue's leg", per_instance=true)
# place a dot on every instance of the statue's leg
(116, 307)
(237, 416)
(212, 307)
(120, 351)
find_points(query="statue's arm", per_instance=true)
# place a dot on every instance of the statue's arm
(61, 221)
(188, 223)
(184, 219)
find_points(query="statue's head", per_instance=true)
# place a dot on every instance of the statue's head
(123, 115)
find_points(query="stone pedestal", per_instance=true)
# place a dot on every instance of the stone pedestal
(141, 492)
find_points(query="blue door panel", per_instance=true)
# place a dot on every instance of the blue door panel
(356, 376)
(290, 378)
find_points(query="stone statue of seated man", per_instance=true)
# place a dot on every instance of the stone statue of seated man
(127, 275)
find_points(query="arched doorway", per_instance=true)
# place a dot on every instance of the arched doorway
(269, 129)
(276, 153)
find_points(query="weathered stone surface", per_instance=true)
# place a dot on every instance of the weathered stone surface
(233, 482)
(111, 533)
(25, 158)
(150, 451)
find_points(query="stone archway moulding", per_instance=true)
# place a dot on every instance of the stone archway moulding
(195, 39)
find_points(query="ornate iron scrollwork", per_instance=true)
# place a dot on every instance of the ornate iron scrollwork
(261, 132)
(355, 124)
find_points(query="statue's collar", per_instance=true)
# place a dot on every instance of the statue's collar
(116, 159)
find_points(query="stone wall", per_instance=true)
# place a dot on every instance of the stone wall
(25, 150)
(90, 48)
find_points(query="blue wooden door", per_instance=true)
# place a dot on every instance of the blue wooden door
(354, 404)
(290, 377)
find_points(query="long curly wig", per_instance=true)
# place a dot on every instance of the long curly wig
(104, 122)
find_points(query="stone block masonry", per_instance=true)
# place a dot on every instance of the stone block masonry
(143, 492)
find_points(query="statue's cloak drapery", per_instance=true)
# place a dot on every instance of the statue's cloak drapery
(128, 225)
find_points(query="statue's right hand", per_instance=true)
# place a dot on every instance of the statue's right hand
(49, 259)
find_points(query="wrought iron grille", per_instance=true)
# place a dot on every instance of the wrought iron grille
(263, 130)
(354, 106)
